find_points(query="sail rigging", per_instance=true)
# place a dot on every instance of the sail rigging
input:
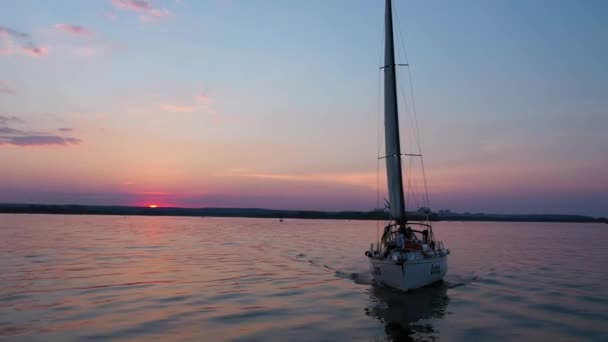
(407, 256)
(391, 124)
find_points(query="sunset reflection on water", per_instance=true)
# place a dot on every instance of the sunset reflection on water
(170, 278)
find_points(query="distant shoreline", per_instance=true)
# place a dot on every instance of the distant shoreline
(73, 209)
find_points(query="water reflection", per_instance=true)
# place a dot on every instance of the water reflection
(403, 314)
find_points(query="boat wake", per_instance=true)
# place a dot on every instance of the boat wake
(357, 278)
(362, 276)
(454, 281)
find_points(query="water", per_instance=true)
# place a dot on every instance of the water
(66, 278)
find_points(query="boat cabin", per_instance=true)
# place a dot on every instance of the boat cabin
(412, 237)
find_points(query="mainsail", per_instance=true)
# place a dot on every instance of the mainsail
(391, 124)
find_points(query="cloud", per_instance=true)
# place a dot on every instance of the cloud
(38, 140)
(6, 88)
(177, 109)
(19, 137)
(157, 193)
(65, 129)
(11, 37)
(364, 179)
(202, 103)
(35, 51)
(4, 120)
(145, 8)
(8, 130)
(73, 29)
(6, 31)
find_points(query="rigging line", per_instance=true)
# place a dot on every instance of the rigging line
(411, 83)
(409, 175)
(378, 165)
(379, 114)
(411, 130)
(413, 126)
(403, 50)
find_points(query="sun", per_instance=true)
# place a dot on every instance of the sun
(153, 206)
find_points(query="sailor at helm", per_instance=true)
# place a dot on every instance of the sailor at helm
(400, 238)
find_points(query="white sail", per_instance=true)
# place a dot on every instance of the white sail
(391, 124)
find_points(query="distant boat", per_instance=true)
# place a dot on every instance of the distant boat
(404, 258)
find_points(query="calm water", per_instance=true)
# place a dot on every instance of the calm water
(145, 278)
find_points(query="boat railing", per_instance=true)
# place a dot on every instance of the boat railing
(420, 224)
(407, 249)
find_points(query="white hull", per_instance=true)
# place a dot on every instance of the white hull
(412, 274)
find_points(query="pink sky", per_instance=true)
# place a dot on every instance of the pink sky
(197, 104)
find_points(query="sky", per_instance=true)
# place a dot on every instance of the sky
(275, 104)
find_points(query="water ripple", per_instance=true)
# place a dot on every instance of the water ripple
(74, 278)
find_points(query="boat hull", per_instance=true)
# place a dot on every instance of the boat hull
(412, 274)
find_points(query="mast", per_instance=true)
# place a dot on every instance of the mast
(391, 124)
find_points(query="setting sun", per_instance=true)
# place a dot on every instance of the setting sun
(153, 206)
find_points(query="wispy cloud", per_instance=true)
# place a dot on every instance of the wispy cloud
(158, 193)
(8, 130)
(73, 29)
(202, 98)
(35, 51)
(147, 11)
(11, 38)
(177, 109)
(6, 88)
(366, 179)
(19, 137)
(38, 140)
(4, 120)
(6, 31)
(202, 102)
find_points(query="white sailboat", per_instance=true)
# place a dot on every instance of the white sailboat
(407, 256)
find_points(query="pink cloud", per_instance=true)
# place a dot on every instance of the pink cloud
(363, 179)
(6, 50)
(158, 193)
(155, 14)
(201, 103)
(134, 5)
(12, 38)
(6, 88)
(73, 29)
(35, 51)
(177, 109)
(144, 7)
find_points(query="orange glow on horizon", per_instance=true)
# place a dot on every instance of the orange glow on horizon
(153, 206)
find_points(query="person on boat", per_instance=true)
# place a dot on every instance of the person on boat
(400, 238)
(409, 234)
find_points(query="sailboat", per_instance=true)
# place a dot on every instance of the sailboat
(407, 256)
